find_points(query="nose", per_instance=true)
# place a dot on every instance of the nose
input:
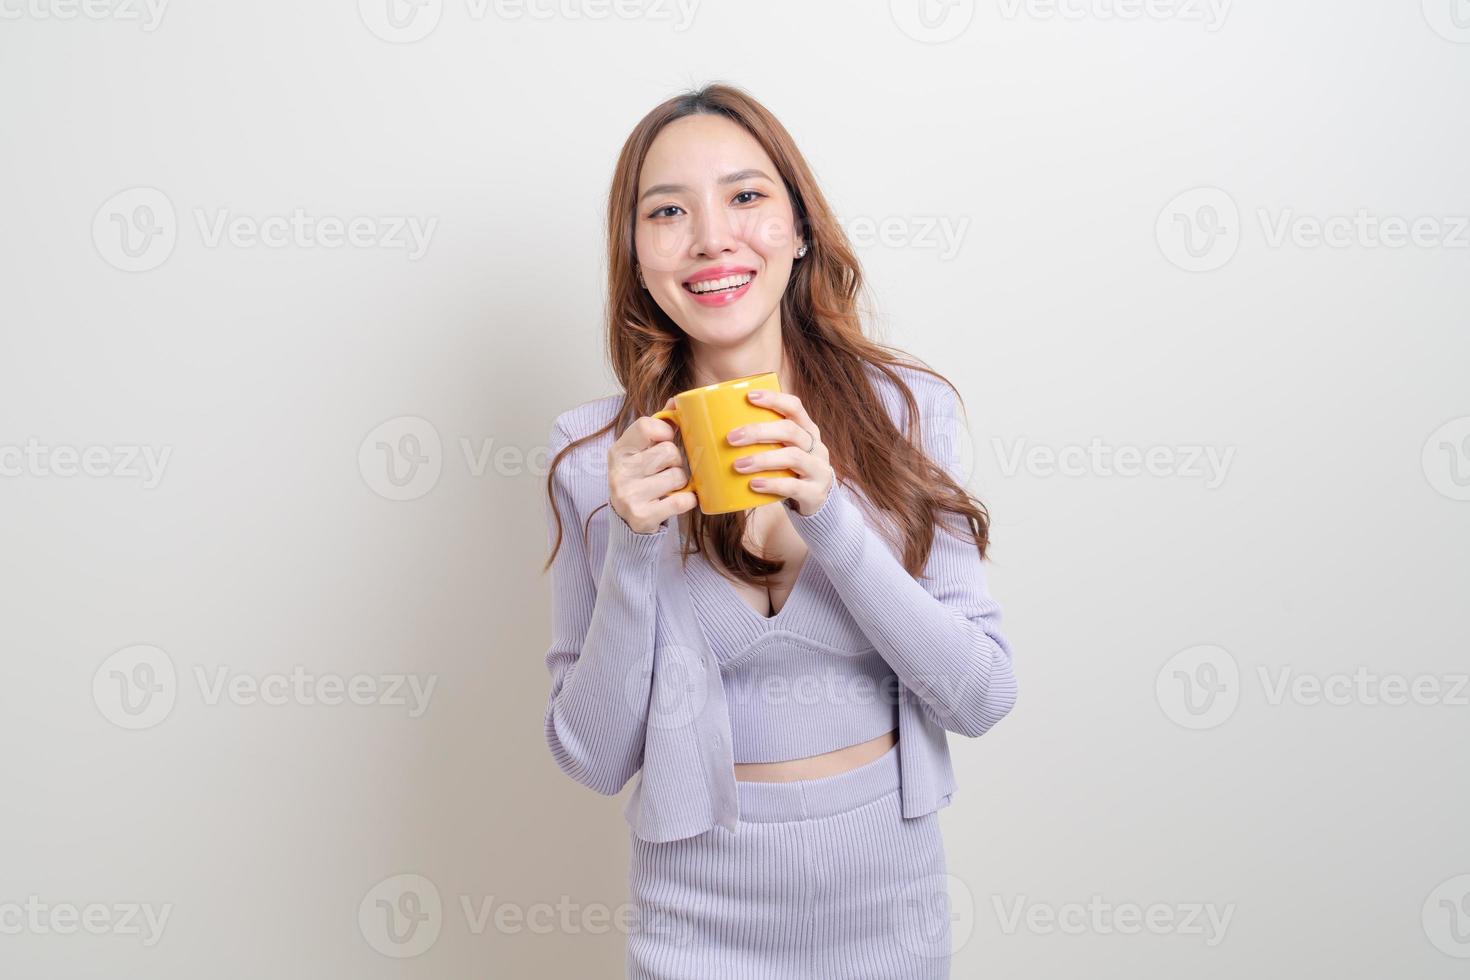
(714, 234)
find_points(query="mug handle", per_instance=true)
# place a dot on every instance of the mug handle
(672, 415)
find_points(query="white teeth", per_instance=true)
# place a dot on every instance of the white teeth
(715, 285)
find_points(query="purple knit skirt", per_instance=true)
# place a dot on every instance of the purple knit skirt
(822, 879)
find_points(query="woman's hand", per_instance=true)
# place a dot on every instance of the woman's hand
(643, 471)
(803, 452)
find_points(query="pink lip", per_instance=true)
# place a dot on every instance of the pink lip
(720, 272)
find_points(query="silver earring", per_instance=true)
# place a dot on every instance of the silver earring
(801, 251)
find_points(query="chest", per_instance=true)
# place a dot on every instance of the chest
(800, 609)
(769, 533)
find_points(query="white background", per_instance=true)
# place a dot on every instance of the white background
(1055, 142)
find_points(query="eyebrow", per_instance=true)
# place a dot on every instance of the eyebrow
(734, 178)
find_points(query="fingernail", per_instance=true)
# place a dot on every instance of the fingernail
(758, 394)
(758, 484)
(736, 436)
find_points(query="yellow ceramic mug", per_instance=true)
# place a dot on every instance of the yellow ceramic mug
(704, 417)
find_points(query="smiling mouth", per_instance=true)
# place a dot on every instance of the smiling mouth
(728, 284)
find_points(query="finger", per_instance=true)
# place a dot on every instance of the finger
(787, 457)
(656, 458)
(667, 496)
(781, 486)
(786, 403)
(658, 511)
(675, 504)
(644, 432)
(662, 483)
(782, 430)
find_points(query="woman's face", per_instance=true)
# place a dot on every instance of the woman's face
(712, 207)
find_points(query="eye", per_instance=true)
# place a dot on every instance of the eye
(659, 213)
(751, 193)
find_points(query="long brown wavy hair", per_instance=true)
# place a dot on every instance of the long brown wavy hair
(822, 334)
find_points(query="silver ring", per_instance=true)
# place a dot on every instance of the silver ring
(814, 443)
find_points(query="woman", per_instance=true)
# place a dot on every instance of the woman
(780, 677)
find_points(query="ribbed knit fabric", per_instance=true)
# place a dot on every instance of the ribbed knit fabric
(793, 688)
(824, 880)
(788, 700)
(637, 688)
(813, 610)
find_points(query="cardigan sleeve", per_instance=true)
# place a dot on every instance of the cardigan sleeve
(942, 638)
(601, 653)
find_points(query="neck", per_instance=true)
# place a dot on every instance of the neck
(761, 353)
